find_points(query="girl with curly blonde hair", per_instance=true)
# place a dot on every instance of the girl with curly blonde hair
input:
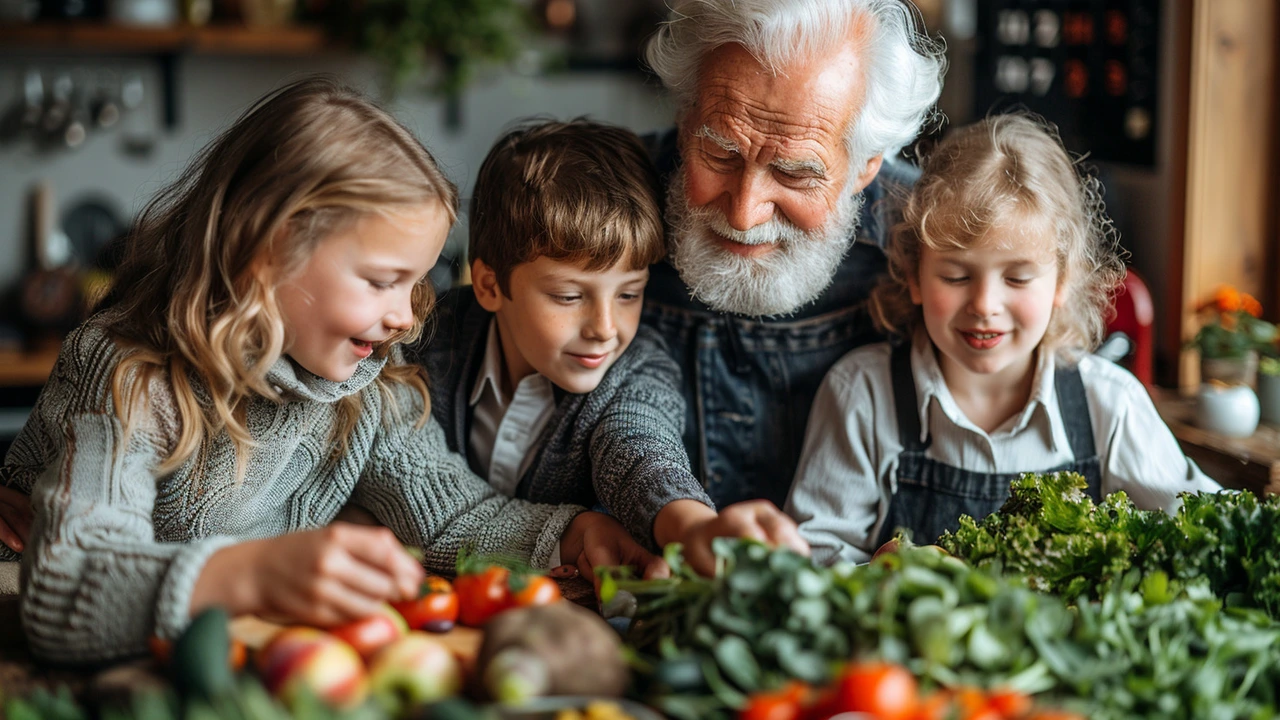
(1001, 274)
(243, 381)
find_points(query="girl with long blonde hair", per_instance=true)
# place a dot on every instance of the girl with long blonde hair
(1001, 275)
(242, 382)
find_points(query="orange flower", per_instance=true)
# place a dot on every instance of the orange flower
(1250, 304)
(1227, 299)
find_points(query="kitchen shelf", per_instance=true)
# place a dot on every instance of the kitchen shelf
(165, 44)
(210, 39)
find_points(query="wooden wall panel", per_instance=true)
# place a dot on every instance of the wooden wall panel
(1230, 232)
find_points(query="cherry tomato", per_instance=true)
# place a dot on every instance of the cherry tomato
(1008, 703)
(782, 704)
(887, 692)
(435, 609)
(162, 649)
(531, 590)
(482, 595)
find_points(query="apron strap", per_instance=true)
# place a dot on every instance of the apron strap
(905, 398)
(1073, 406)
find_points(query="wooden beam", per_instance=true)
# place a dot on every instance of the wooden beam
(1230, 214)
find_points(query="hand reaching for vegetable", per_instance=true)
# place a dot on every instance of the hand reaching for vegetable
(594, 539)
(329, 576)
(15, 518)
(695, 525)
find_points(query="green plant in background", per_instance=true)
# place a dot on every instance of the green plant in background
(1269, 366)
(454, 37)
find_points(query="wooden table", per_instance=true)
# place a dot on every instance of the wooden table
(1251, 463)
(29, 368)
(20, 673)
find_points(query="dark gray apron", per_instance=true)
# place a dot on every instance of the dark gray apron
(931, 496)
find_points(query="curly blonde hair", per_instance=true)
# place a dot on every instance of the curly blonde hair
(979, 176)
(191, 306)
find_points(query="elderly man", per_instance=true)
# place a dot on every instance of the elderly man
(779, 202)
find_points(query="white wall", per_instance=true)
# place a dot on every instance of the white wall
(214, 90)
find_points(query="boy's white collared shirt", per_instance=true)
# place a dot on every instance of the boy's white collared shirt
(505, 430)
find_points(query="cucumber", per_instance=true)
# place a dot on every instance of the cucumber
(201, 668)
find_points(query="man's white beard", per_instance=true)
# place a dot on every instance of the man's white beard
(779, 282)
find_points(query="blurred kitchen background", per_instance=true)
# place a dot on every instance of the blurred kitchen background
(103, 101)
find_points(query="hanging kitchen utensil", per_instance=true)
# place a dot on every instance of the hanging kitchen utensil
(23, 116)
(104, 108)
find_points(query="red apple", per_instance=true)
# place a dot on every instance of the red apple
(414, 670)
(371, 634)
(304, 657)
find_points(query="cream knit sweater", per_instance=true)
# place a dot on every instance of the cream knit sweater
(116, 550)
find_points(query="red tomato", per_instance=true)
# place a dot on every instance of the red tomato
(482, 595)
(888, 692)
(781, 704)
(435, 609)
(537, 590)
(1008, 703)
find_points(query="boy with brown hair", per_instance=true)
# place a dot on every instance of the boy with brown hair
(542, 375)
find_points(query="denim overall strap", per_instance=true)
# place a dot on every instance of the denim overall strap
(931, 496)
(905, 399)
(1073, 406)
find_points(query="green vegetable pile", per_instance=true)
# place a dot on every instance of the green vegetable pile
(1051, 533)
(702, 644)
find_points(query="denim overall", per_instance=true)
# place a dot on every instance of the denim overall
(749, 382)
(931, 496)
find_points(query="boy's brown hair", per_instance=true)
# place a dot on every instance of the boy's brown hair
(580, 192)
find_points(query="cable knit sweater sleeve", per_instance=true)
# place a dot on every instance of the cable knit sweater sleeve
(638, 459)
(97, 581)
(429, 497)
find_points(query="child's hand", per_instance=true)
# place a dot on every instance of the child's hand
(594, 539)
(15, 518)
(322, 577)
(757, 519)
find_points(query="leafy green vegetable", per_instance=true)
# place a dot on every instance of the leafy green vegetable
(1052, 533)
(702, 643)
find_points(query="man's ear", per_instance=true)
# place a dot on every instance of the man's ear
(484, 283)
(867, 174)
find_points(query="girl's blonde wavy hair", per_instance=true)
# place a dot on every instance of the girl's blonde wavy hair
(1007, 168)
(192, 306)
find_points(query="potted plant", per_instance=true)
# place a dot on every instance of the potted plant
(1269, 388)
(449, 38)
(1231, 336)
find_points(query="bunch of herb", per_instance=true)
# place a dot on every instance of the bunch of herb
(768, 616)
(1053, 535)
(1138, 654)
(701, 644)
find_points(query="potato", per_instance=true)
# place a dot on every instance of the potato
(557, 649)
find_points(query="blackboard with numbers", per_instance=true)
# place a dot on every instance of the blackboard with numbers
(1089, 66)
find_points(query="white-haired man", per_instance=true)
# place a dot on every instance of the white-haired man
(779, 202)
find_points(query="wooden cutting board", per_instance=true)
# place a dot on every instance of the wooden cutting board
(463, 642)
